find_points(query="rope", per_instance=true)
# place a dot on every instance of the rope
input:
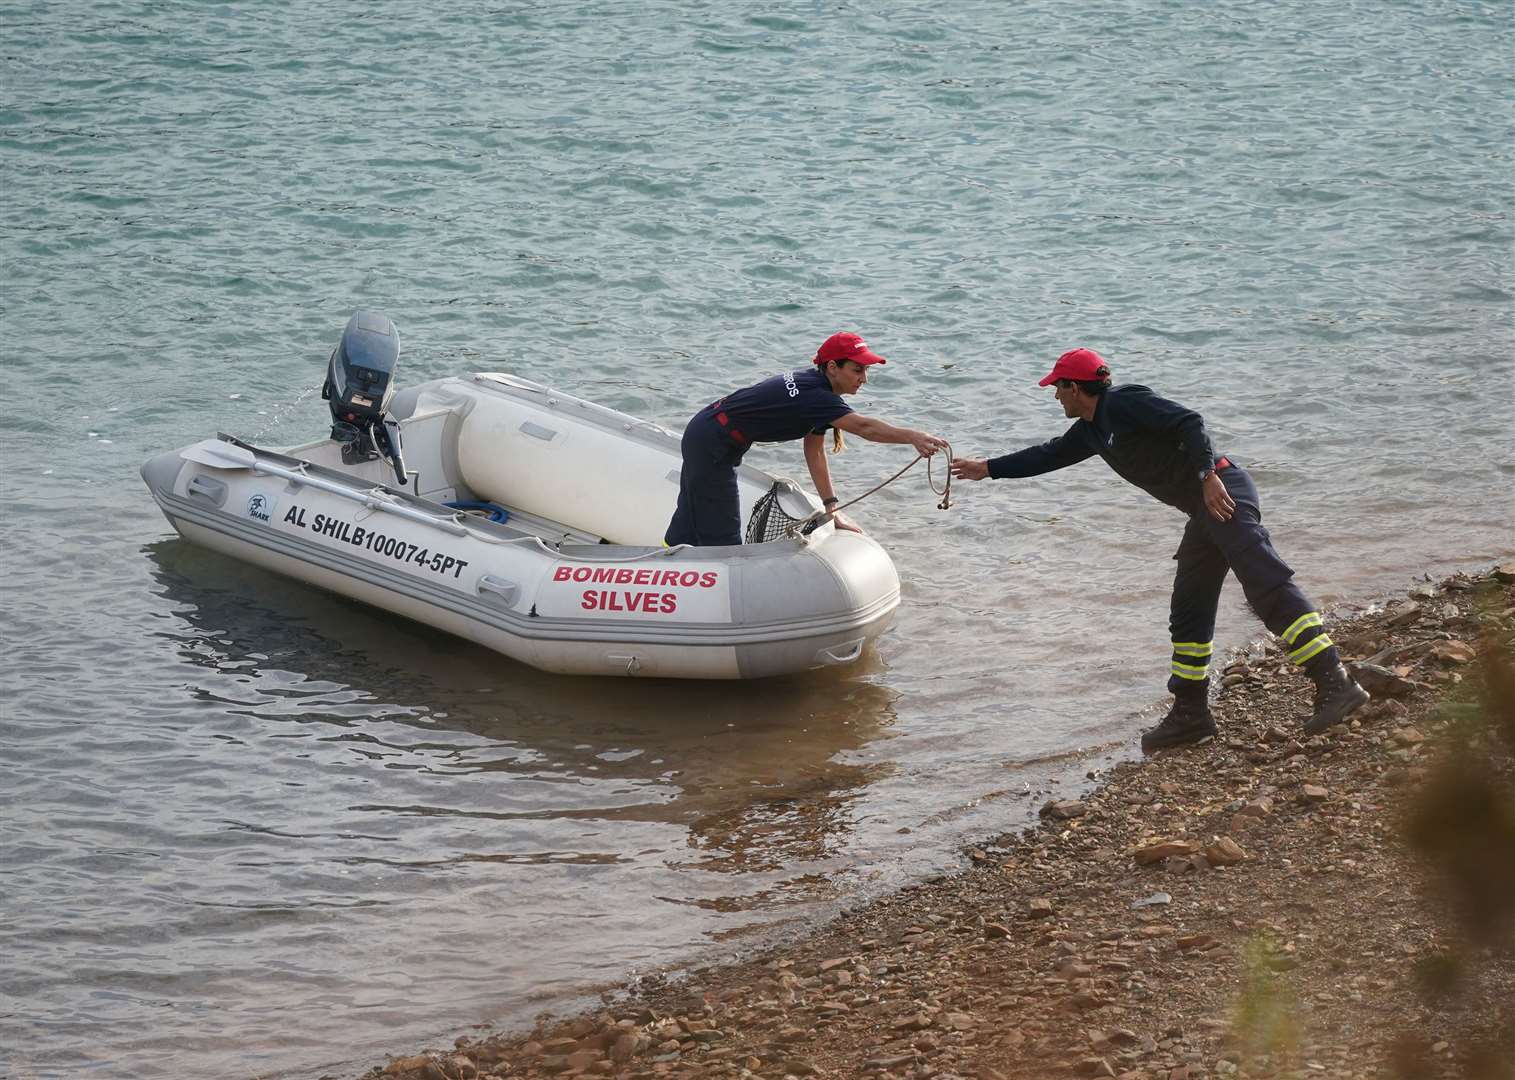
(945, 491)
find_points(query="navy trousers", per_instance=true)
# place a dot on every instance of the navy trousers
(709, 510)
(1241, 546)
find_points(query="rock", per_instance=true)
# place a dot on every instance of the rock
(1084, 1001)
(1454, 652)
(1407, 736)
(1257, 808)
(1314, 793)
(1381, 681)
(1166, 850)
(1240, 823)
(1196, 941)
(581, 1059)
(417, 1063)
(1157, 899)
(1040, 909)
(1071, 970)
(1224, 852)
(624, 1048)
(1064, 810)
(1505, 572)
(1406, 613)
(996, 930)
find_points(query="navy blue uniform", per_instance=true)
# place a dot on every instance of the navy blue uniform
(778, 409)
(1163, 447)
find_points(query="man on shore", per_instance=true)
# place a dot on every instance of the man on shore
(1164, 449)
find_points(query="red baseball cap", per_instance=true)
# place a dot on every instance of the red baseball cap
(1080, 365)
(847, 347)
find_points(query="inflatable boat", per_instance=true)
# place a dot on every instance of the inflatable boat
(530, 521)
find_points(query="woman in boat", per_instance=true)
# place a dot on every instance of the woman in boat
(794, 405)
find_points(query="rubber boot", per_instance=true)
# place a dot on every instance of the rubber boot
(1187, 722)
(1337, 696)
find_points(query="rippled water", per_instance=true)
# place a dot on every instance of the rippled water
(249, 828)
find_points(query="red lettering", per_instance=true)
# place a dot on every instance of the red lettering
(562, 573)
(623, 576)
(582, 573)
(650, 603)
(707, 579)
(604, 575)
(667, 577)
(644, 577)
(689, 578)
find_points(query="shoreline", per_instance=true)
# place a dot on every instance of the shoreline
(1244, 907)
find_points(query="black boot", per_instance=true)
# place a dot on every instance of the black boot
(1187, 722)
(1337, 696)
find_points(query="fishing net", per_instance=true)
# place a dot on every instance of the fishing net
(768, 520)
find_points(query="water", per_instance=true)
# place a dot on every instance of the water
(252, 829)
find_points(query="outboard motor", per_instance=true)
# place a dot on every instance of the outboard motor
(359, 384)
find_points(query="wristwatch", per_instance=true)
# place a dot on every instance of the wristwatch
(828, 502)
(1205, 474)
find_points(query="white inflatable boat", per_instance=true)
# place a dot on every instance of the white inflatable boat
(568, 573)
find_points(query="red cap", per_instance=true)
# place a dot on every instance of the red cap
(1080, 365)
(847, 347)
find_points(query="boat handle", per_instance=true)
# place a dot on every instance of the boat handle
(844, 654)
(213, 491)
(505, 590)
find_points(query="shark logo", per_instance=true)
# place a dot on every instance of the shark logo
(260, 508)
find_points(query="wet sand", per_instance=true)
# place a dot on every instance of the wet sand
(1253, 906)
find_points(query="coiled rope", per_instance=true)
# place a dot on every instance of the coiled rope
(806, 525)
(945, 491)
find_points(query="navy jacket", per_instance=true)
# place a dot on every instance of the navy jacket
(783, 407)
(1156, 444)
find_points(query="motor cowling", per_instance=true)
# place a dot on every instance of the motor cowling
(360, 381)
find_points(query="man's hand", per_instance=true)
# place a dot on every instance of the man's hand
(970, 468)
(1217, 499)
(845, 523)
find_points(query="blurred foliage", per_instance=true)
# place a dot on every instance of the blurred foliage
(1461, 823)
(1266, 1022)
